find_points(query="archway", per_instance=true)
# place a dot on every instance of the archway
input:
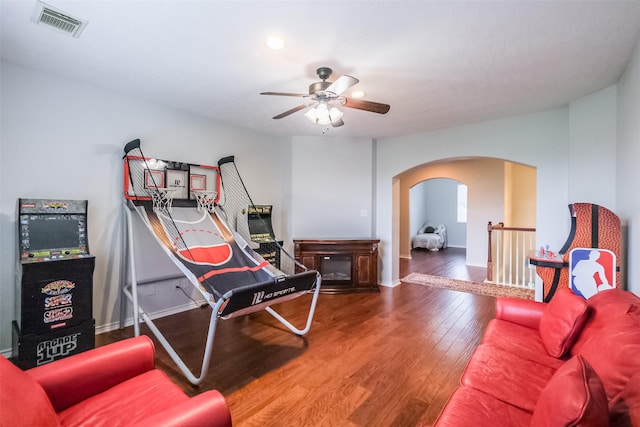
(498, 190)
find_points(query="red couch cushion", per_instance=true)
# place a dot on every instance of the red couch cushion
(624, 409)
(153, 392)
(603, 308)
(519, 340)
(470, 407)
(19, 391)
(506, 376)
(614, 351)
(562, 321)
(573, 397)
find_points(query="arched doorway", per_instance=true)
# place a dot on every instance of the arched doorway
(498, 191)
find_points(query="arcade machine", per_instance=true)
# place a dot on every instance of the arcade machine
(54, 282)
(592, 227)
(261, 232)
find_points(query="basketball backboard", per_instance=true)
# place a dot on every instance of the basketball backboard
(143, 175)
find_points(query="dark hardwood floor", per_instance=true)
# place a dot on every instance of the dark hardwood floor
(449, 262)
(387, 359)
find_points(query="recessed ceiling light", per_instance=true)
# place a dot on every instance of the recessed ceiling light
(275, 43)
(357, 94)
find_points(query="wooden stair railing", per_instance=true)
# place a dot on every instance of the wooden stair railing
(507, 255)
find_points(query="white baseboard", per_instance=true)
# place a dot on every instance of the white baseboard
(477, 265)
(393, 285)
(155, 315)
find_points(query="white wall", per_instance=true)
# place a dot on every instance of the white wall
(63, 139)
(332, 187)
(519, 195)
(439, 204)
(628, 165)
(446, 191)
(592, 149)
(539, 140)
(417, 207)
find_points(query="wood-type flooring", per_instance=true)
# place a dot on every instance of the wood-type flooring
(387, 359)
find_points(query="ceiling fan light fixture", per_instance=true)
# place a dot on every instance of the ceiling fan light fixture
(323, 115)
(335, 114)
(311, 115)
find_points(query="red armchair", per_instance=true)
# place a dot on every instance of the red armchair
(112, 385)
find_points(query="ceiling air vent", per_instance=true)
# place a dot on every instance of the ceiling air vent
(49, 16)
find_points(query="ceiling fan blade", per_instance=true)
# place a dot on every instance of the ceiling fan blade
(301, 95)
(374, 107)
(337, 123)
(291, 111)
(341, 84)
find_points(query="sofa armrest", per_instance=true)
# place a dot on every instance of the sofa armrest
(520, 311)
(206, 409)
(78, 377)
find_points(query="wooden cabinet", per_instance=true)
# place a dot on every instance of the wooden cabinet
(346, 265)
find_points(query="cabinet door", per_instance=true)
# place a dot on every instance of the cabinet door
(309, 261)
(364, 274)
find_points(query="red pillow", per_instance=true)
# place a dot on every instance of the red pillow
(562, 321)
(574, 396)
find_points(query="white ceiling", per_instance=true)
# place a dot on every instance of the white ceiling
(437, 63)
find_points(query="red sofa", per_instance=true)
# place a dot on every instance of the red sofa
(570, 362)
(114, 385)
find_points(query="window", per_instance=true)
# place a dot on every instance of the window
(462, 203)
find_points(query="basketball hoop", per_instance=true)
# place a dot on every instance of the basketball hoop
(206, 200)
(162, 199)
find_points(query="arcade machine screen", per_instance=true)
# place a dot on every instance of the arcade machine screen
(260, 228)
(52, 230)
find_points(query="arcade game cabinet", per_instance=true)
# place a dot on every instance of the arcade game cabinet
(592, 227)
(261, 232)
(54, 282)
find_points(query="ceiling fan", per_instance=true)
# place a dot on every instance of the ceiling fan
(323, 97)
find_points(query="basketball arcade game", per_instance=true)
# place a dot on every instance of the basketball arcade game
(592, 227)
(179, 204)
